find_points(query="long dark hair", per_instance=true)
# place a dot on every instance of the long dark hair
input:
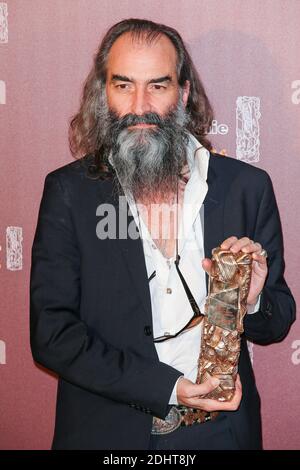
(84, 131)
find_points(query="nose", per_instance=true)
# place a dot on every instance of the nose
(140, 102)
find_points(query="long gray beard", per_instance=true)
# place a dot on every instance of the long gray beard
(148, 161)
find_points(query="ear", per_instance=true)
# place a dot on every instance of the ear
(186, 92)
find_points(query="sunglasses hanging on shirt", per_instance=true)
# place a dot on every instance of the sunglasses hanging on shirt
(197, 314)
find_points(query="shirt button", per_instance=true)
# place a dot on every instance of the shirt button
(169, 290)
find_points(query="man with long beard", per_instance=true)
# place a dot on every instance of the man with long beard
(112, 316)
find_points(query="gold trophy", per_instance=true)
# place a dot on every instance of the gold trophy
(225, 308)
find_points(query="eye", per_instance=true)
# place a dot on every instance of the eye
(123, 86)
(158, 87)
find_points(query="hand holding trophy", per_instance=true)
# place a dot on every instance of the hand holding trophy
(225, 308)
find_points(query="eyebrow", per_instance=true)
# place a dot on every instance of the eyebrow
(123, 78)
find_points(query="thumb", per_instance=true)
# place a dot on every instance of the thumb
(206, 265)
(206, 387)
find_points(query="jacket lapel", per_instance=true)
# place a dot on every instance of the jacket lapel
(131, 249)
(213, 212)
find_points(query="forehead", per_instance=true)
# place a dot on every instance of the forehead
(134, 57)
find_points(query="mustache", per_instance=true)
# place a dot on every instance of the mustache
(130, 119)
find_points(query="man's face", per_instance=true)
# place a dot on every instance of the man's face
(142, 78)
(143, 117)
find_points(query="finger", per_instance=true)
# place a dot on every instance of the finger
(234, 403)
(228, 242)
(203, 389)
(208, 404)
(238, 383)
(206, 264)
(252, 247)
(241, 243)
(262, 260)
(238, 380)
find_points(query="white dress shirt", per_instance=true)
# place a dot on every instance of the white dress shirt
(171, 309)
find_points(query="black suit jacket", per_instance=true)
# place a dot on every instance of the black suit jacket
(90, 305)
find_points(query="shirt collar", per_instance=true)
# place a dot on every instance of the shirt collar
(197, 158)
